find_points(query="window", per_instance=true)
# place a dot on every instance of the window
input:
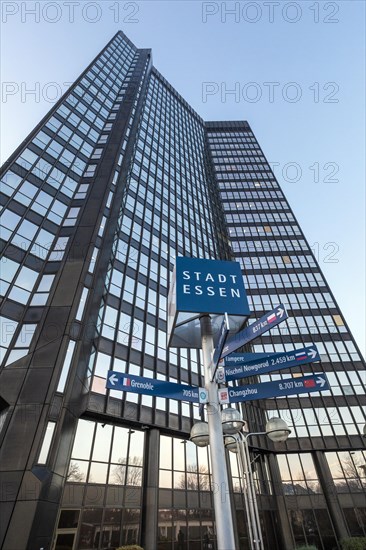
(298, 473)
(58, 249)
(90, 171)
(42, 293)
(22, 344)
(7, 331)
(82, 304)
(66, 366)
(8, 269)
(10, 182)
(23, 285)
(42, 244)
(8, 222)
(72, 216)
(104, 453)
(47, 439)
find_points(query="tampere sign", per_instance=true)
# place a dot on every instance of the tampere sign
(279, 388)
(204, 286)
(159, 388)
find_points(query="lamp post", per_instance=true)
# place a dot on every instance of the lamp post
(223, 513)
(237, 441)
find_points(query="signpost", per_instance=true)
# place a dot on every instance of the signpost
(158, 388)
(200, 291)
(265, 323)
(224, 331)
(269, 363)
(279, 388)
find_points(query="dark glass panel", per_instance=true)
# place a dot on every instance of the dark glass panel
(325, 529)
(68, 519)
(65, 541)
(111, 528)
(90, 529)
(355, 522)
(244, 543)
(131, 526)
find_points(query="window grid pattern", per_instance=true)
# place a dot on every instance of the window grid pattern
(45, 187)
(166, 212)
(106, 454)
(348, 471)
(279, 267)
(185, 479)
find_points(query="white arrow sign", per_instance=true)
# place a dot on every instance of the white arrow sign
(320, 381)
(113, 379)
(280, 312)
(312, 352)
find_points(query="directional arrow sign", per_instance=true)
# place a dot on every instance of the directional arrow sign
(269, 363)
(243, 358)
(265, 323)
(234, 360)
(279, 388)
(158, 388)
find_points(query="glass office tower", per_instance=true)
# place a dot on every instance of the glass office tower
(118, 179)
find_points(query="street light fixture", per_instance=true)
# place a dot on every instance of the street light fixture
(232, 421)
(277, 430)
(199, 434)
(236, 441)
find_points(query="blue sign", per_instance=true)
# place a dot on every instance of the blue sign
(242, 358)
(279, 388)
(204, 286)
(210, 286)
(265, 323)
(158, 388)
(269, 363)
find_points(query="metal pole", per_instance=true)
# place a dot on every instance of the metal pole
(223, 516)
(250, 510)
(258, 541)
(244, 486)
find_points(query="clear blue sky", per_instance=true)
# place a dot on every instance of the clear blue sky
(312, 52)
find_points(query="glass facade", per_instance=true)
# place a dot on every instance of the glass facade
(120, 178)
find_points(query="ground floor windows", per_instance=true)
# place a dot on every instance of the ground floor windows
(186, 529)
(123, 483)
(313, 527)
(269, 526)
(95, 528)
(65, 540)
(356, 521)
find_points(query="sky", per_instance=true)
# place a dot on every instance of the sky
(293, 70)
